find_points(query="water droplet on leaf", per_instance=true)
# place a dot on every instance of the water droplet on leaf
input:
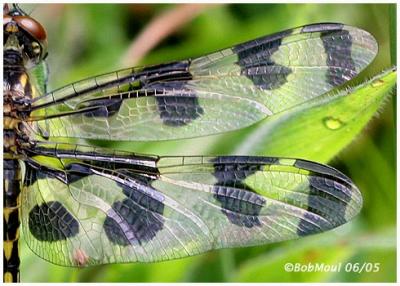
(332, 123)
(377, 83)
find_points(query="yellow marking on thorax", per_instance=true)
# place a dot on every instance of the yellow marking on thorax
(34, 92)
(6, 108)
(10, 123)
(8, 277)
(8, 211)
(23, 79)
(12, 28)
(12, 155)
(8, 247)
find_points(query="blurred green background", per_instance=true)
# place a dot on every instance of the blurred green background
(85, 40)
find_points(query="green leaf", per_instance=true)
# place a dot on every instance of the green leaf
(393, 33)
(393, 37)
(318, 130)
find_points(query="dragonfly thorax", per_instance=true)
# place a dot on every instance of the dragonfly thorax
(17, 91)
(17, 94)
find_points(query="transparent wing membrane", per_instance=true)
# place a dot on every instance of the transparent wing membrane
(219, 92)
(82, 209)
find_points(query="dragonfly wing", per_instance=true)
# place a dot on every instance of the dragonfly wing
(82, 209)
(223, 91)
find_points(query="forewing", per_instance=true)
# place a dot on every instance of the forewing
(223, 91)
(86, 209)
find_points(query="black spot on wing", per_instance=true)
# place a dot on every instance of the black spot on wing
(328, 200)
(103, 164)
(136, 219)
(241, 207)
(106, 107)
(102, 107)
(181, 106)
(178, 110)
(177, 105)
(322, 169)
(239, 203)
(338, 46)
(254, 58)
(73, 172)
(32, 174)
(268, 77)
(51, 222)
(76, 172)
(328, 196)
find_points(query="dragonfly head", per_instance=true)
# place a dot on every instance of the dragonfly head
(23, 35)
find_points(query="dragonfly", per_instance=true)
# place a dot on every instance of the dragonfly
(81, 204)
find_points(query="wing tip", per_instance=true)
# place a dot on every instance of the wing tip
(339, 199)
(367, 39)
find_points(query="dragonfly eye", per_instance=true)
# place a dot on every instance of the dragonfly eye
(6, 19)
(30, 33)
(31, 26)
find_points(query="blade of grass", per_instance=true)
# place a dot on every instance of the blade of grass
(318, 130)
